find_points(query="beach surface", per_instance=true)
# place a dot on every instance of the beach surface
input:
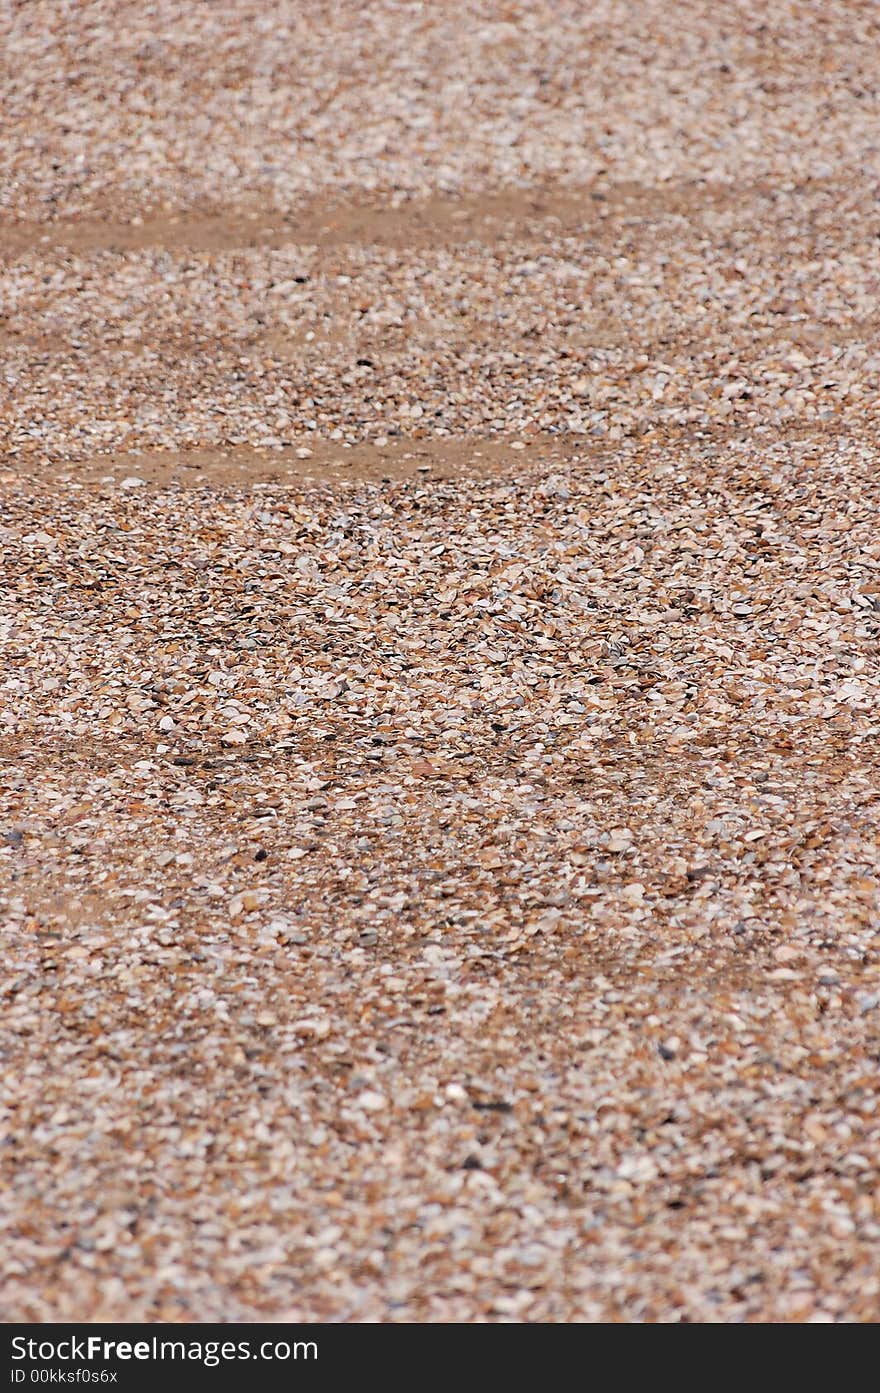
(439, 666)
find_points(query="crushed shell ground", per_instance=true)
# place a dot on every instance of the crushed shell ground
(440, 682)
